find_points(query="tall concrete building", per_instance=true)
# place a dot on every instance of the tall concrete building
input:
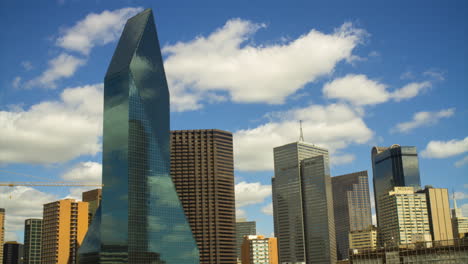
(32, 241)
(394, 166)
(438, 209)
(65, 223)
(2, 232)
(459, 222)
(243, 228)
(13, 253)
(352, 208)
(202, 169)
(303, 204)
(140, 218)
(93, 198)
(259, 249)
(404, 217)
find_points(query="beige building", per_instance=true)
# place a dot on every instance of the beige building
(65, 223)
(258, 249)
(459, 222)
(2, 232)
(438, 209)
(93, 198)
(363, 239)
(404, 214)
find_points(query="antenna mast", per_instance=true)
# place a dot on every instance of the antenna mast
(301, 137)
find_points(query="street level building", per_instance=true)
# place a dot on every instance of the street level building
(243, 228)
(352, 208)
(404, 217)
(65, 223)
(202, 168)
(392, 167)
(259, 250)
(140, 219)
(2, 232)
(303, 204)
(93, 198)
(13, 253)
(438, 209)
(32, 241)
(363, 239)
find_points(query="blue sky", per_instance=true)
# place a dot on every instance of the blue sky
(358, 74)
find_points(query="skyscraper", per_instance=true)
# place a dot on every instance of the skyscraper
(243, 228)
(32, 241)
(140, 219)
(13, 252)
(202, 168)
(392, 167)
(93, 198)
(303, 204)
(352, 208)
(65, 223)
(438, 209)
(2, 232)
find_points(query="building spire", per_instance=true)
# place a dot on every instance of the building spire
(301, 137)
(454, 200)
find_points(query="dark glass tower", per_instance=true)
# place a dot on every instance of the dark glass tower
(393, 166)
(351, 204)
(243, 228)
(32, 241)
(141, 219)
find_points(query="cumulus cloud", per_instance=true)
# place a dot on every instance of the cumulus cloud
(445, 149)
(461, 163)
(96, 30)
(54, 131)
(227, 60)
(88, 172)
(62, 66)
(268, 209)
(240, 213)
(435, 74)
(340, 159)
(424, 118)
(251, 193)
(359, 90)
(334, 126)
(460, 195)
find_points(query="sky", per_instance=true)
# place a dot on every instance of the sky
(357, 73)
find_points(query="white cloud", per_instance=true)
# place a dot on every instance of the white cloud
(461, 163)
(62, 66)
(21, 203)
(359, 90)
(340, 159)
(268, 209)
(410, 90)
(11, 236)
(54, 131)
(16, 82)
(444, 149)
(460, 195)
(96, 30)
(227, 60)
(424, 119)
(335, 127)
(435, 74)
(251, 193)
(407, 75)
(241, 213)
(87, 172)
(27, 65)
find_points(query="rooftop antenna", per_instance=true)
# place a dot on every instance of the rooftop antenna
(454, 200)
(301, 137)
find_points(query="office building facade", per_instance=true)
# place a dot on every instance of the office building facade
(2, 232)
(13, 253)
(32, 241)
(243, 228)
(363, 239)
(140, 219)
(64, 226)
(392, 167)
(352, 208)
(459, 221)
(405, 218)
(303, 204)
(93, 198)
(202, 168)
(438, 209)
(258, 250)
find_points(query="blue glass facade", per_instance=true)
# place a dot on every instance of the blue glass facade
(394, 166)
(141, 219)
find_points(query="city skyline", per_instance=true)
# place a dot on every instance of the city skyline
(373, 51)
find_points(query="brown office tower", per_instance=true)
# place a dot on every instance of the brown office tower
(202, 169)
(93, 198)
(65, 223)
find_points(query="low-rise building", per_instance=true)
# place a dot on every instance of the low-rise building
(258, 249)
(363, 239)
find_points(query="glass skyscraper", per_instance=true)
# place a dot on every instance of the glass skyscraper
(140, 219)
(303, 204)
(395, 166)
